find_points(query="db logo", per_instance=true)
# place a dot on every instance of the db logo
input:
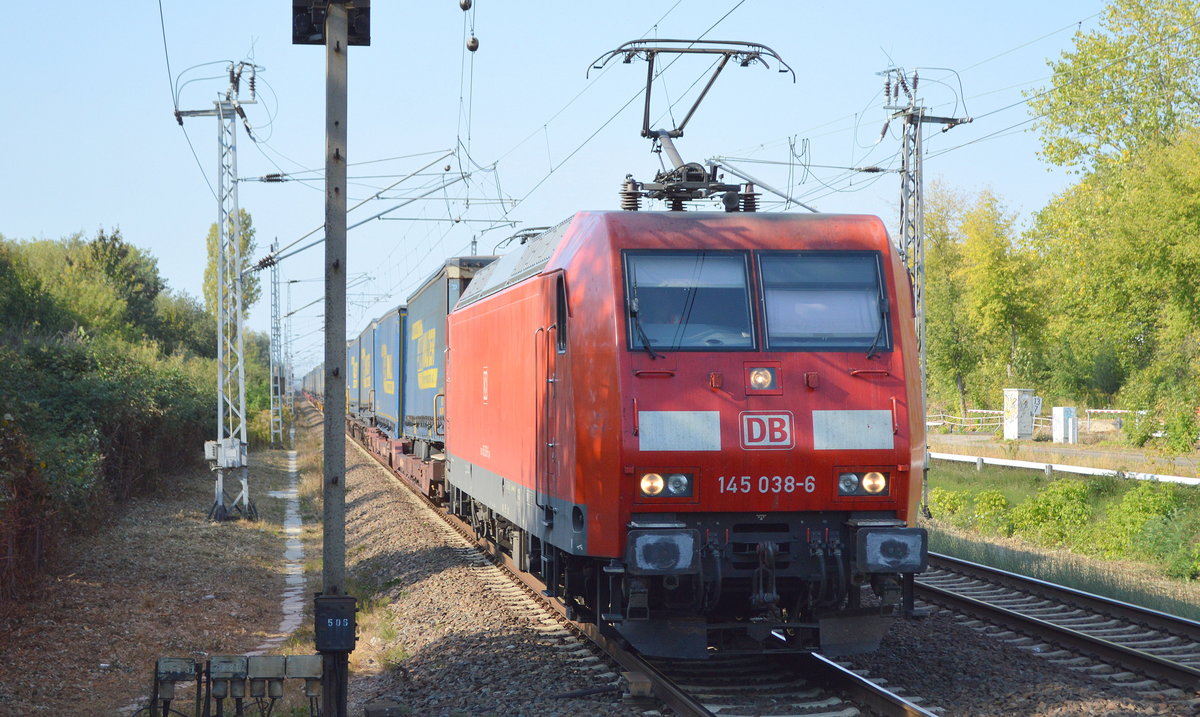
(767, 430)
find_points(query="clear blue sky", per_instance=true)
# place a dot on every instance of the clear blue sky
(90, 140)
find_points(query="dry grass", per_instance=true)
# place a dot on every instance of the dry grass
(311, 457)
(159, 580)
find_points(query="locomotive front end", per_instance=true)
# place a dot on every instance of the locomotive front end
(770, 430)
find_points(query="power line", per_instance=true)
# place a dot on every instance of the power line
(175, 101)
(619, 111)
(1011, 129)
(586, 87)
(993, 135)
(272, 259)
(853, 127)
(278, 256)
(321, 171)
(162, 23)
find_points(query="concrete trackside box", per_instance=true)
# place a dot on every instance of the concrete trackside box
(424, 409)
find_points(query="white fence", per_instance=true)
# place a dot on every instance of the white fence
(980, 461)
(979, 419)
(1116, 415)
(982, 420)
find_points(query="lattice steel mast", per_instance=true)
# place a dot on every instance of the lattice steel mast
(912, 199)
(277, 366)
(228, 452)
(289, 391)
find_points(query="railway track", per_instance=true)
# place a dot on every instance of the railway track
(743, 685)
(721, 687)
(1152, 653)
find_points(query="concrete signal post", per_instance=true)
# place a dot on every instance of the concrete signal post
(336, 24)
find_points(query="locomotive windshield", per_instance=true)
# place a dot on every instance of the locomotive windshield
(697, 300)
(824, 301)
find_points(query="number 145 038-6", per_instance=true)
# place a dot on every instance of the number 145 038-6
(766, 484)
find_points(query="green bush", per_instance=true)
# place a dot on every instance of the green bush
(1054, 514)
(1139, 429)
(94, 411)
(1185, 564)
(134, 416)
(945, 504)
(992, 513)
(1181, 428)
(1173, 541)
(1125, 523)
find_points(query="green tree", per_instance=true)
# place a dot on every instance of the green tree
(64, 270)
(25, 305)
(184, 325)
(133, 274)
(952, 343)
(997, 278)
(251, 290)
(1132, 82)
(1125, 294)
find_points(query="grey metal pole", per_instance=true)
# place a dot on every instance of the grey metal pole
(336, 664)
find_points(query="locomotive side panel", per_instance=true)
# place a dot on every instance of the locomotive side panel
(513, 429)
(494, 393)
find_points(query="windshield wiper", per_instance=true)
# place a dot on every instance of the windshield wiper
(637, 325)
(883, 319)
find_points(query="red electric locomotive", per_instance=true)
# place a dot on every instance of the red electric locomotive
(701, 430)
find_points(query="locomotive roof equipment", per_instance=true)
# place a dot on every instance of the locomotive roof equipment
(688, 181)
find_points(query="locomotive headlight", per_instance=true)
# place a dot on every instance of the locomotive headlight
(874, 482)
(652, 484)
(669, 485)
(679, 484)
(867, 483)
(762, 379)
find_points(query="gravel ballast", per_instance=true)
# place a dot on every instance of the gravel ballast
(471, 643)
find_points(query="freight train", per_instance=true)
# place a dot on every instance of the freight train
(701, 430)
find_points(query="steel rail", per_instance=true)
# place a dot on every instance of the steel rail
(664, 689)
(1175, 673)
(817, 668)
(1154, 619)
(857, 688)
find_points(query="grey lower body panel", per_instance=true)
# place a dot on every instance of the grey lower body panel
(521, 506)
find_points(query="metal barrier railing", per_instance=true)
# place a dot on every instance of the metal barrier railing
(986, 420)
